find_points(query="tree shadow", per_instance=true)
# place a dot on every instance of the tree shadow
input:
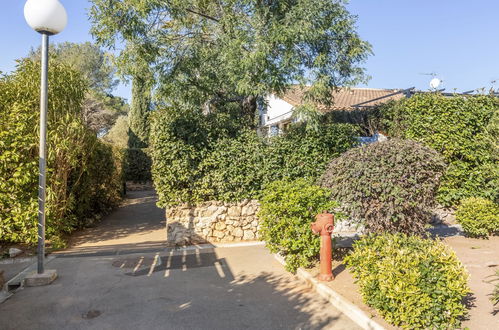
(138, 215)
(188, 288)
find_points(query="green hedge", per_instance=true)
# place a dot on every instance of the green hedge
(414, 283)
(464, 129)
(389, 186)
(200, 157)
(137, 165)
(286, 212)
(479, 217)
(83, 174)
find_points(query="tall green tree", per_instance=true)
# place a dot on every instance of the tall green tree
(212, 53)
(100, 108)
(139, 110)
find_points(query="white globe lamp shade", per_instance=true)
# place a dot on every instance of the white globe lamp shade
(47, 16)
(435, 82)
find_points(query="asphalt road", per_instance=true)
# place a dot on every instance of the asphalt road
(121, 276)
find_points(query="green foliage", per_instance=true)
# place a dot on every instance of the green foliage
(389, 185)
(494, 296)
(414, 283)
(118, 134)
(82, 173)
(234, 169)
(200, 157)
(464, 130)
(99, 109)
(138, 116)
(287, 210)
(204, 54)
(93, 63)
(304, 153)
(137, 165)
(479, 217)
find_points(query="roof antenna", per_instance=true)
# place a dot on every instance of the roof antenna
(434, 82)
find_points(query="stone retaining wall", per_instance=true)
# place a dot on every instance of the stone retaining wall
(212, 222)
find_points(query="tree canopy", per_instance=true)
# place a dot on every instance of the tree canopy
(100, 107)
(208, 53)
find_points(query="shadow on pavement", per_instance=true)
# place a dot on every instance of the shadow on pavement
(231, 288)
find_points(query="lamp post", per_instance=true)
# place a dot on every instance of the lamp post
(47, 17)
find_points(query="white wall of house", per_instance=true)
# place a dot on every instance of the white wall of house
(277, 111)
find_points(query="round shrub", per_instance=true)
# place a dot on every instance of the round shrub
(286, 211)
(412, 282)
(389, 186)
(479, 217)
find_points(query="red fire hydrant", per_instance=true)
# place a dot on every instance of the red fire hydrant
(324, 226)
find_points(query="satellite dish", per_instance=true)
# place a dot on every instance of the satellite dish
(435, 82)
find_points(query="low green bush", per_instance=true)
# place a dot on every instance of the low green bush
(137, 165)
(286, 212)
(464, 129)
(479, 217)
(414, 283)
(389, 186)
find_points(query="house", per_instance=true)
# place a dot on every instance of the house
(277, 112)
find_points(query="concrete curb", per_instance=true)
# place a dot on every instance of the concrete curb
(17, 282)
(337, 300)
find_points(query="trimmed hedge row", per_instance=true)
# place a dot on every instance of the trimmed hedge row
(200, 157)
(83, 174)
(465, 130)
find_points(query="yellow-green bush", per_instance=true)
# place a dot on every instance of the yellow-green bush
(413, 282)
(83, 174)
(287, 210)
(479, 217)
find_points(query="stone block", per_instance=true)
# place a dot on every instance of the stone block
(209, 211)
(218, 234)
(13, 252)
(35, 279)
(248, 235)
(248, 210)
(220, 226)
(238, 232)
(234, 211)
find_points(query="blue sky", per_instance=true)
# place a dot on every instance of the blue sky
(458, 40)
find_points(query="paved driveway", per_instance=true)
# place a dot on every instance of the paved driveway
(121, 276)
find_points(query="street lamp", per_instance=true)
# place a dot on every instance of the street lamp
(48, 17)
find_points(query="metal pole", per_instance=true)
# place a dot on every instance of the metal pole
(42, 161)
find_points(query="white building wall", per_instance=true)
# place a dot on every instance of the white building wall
(277, 111)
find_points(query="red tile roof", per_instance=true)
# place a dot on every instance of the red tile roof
(347, 98)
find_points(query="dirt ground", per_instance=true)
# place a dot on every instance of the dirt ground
(479, 256)
(481, 259)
